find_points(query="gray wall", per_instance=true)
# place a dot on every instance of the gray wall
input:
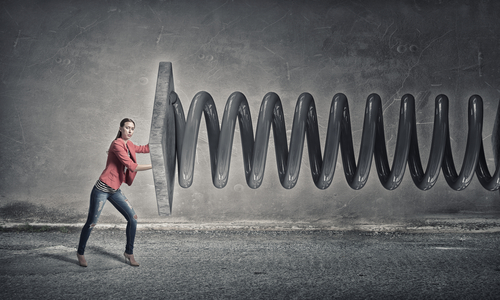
(71, 70)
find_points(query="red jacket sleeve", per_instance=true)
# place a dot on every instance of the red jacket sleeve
(121, 152)
(142, 149)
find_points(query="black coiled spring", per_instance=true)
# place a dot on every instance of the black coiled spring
(322, 165)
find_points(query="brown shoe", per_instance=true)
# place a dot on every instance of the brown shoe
(81, 260)
(131, 259)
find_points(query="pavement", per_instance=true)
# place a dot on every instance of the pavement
(39, 262)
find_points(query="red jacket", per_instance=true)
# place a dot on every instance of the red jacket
(114, 174)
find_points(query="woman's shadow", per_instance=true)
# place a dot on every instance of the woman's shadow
(95, 249)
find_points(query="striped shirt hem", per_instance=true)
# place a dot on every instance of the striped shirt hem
(101, 186)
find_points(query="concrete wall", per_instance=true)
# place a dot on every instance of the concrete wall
(71, 70)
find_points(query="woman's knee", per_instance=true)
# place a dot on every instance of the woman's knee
(132, 212)
(133, 220)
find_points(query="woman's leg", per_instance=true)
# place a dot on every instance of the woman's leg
(97, 201)
(121, 203)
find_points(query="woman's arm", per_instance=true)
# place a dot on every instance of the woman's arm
(121, 152)
(143, 167)
(142, 149)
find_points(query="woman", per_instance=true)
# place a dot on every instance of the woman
(121, 167)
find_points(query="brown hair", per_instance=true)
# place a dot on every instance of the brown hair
(122, 123)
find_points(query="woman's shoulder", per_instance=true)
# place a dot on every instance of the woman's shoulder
(118, 144)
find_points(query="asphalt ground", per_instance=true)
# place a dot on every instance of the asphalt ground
(40, 263)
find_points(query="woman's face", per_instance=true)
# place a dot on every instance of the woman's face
(127, 130)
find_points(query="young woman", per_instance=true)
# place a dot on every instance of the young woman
(121, 167)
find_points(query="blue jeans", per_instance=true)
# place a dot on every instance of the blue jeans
(97, 200)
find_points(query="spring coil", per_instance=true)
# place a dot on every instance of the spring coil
(305, 124)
